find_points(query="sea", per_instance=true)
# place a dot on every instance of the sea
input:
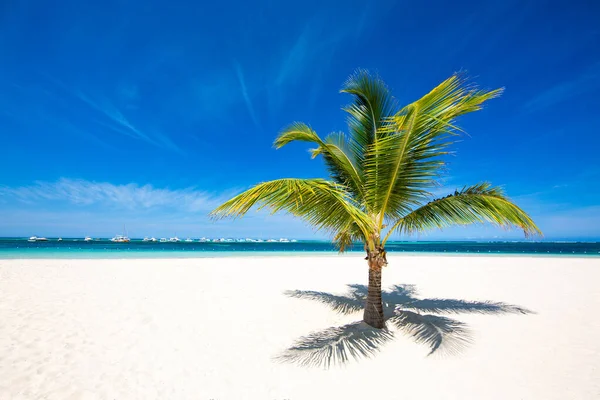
(21, 248)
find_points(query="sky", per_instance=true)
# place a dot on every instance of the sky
(148, 114)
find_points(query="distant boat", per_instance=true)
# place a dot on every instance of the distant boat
(146, 239)
(174, 239)
(37, 239)
(87, 239)
(284, 240)
(60, 239)
(163, 240)
(189, 240)
(120, 239)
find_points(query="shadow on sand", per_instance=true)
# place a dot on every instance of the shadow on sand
(404, 313)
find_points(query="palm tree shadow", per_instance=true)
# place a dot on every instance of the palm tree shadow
(404, 312)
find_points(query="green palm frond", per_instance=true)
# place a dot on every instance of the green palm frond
(321, 203)
(473, 204)
(334, 151)
(405, 162)
(372, 105)
(346, 237)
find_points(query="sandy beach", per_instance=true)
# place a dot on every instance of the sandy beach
(264, 328)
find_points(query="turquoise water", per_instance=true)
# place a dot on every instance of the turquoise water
(11, 248)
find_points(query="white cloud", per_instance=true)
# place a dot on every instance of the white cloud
(130, 196)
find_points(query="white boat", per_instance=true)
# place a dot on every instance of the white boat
(153, 239)
(174, 239)
(120, 239)
(60, 239)
(284, 240)
(188, 240)
(37, 239)
(163, 240)
(87, 239)
(147, 239)
(271, 240)
(203, 239)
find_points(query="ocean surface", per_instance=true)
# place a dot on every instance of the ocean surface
(11, 248)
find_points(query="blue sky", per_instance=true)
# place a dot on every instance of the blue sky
(148, 113)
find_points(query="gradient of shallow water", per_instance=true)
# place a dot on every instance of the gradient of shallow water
(77, 248)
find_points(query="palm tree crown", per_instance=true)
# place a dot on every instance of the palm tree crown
(383, 170)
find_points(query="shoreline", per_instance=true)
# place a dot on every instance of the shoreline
(300, 254)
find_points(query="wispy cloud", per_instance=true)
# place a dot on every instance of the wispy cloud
(563, 91)
(129, 196)
(54, 101)
(74, 207)
(244, 89)
(117, 122)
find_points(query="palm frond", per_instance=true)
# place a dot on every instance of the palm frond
(372, 105)
(334, 150)
(348, 236)
(473, 204)
(403, 164)
(323, 204)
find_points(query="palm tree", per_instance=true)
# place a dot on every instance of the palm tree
(382, 173)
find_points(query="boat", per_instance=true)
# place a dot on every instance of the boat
(60, 239)
(163, 240)
(37, 239)
(284, 240)
(189, 240)
(120, 239)
(87, 239)
(153, 239)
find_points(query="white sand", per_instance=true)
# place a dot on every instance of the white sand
(212, 328)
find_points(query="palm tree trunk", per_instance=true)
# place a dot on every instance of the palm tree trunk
(374, 308)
